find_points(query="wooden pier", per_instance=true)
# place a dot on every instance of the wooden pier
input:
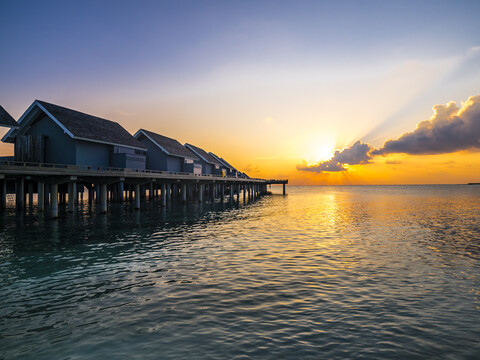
(66, 184)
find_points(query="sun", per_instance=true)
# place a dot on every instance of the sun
(323, 152)
(318, 147)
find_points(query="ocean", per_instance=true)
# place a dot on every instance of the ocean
(325, 272)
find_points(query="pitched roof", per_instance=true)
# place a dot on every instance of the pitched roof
(6, 119)
(223, 161)
(168, 145)
(204, 155)
(91, 128)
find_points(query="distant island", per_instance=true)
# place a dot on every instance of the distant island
(473, 184)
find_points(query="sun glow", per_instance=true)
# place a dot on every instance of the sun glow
(320, 148)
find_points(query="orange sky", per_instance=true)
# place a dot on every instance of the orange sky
(268, 86)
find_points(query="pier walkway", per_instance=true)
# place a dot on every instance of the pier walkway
(54, 183)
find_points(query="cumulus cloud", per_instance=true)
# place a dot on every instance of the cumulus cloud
(358, 153)
(451, 128)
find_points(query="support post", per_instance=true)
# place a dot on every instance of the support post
(103, 198)
(184, 193)
(20, 196)
(3, 200)
(164, 195)
(200, 193)
(137, 197)
(41, 196)
(222, 192)
(231, 193)
(30, 194)
(120, 191)
(54, 201)
(284, 189)
(72, 195)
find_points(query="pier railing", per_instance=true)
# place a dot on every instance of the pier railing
(113, 170)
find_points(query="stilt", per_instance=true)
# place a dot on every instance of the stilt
(3, 188)
(103, 198)
(200, 193)
(184, 193)
(90, 195)
(41, 196)
(164, 195)
(72, 196)
(30, 194)
(120, 191)
(54, 201)
(137, 197)
(222, 192)
(231, 193)
(169, 193)
(47, 195)
(20, 196)
(283, 189)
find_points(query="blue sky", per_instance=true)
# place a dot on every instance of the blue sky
(309, 72)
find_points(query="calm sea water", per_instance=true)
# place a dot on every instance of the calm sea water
(372, 272)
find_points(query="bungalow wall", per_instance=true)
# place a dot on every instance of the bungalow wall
(174, 164)
(93, 154)
(59, 148)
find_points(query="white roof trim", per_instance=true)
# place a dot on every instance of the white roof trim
(161, 147)
(219, 160)
(24, 115)
(42, 108)
(55, 120)
(200, 156)
(153, 141)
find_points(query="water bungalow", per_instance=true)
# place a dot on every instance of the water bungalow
(6, 120)
(60, 152)
(210, 165)
(167, 154)
(231, 171)
(49, 133)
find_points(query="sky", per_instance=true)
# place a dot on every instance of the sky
(319, 92)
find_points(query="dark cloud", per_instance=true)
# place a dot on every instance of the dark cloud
(358, 153)
(450, 129)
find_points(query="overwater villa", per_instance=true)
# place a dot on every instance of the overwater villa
(210, 165)
(57, 148)
(49, 133)
(167, 154)
(231, 171)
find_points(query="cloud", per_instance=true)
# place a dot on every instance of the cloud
(450, 129)
(358, 153)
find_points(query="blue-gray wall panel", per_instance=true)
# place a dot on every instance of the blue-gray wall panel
(93, 154)
(59, 146)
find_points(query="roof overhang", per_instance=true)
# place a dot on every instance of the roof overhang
(198, 154)
(141, 132)
(32, 112)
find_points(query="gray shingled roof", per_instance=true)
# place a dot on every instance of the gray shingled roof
(6, 119)
(208, 157)
(91, 127)
(224, 161)
(172, 146)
